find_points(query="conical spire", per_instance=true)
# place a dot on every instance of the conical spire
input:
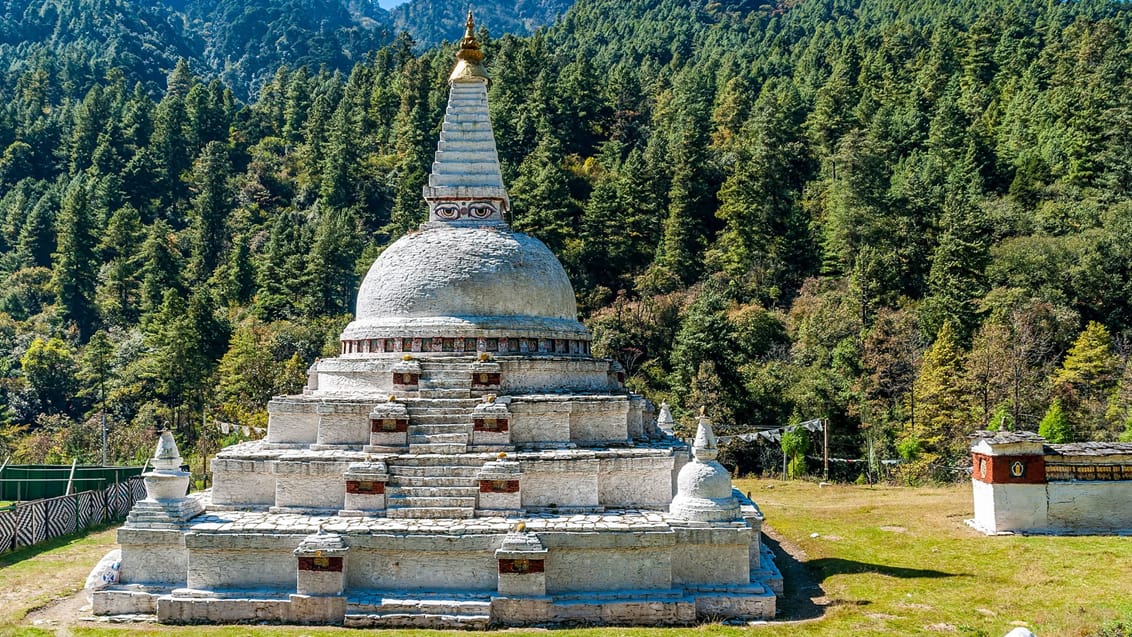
(465, 186)
(469, 56)
(704, 447)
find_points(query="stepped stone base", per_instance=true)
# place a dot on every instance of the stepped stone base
(440, 609)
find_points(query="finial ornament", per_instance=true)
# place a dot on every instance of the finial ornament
(469, 56)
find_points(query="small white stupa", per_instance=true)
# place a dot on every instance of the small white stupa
(665, 421)
(703, 487)
(166, 502)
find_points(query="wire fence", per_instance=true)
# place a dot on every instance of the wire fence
(31, 522)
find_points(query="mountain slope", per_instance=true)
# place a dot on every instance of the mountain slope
(432, 21)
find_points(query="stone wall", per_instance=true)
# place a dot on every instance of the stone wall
(242, 561)
(242, 482)
(1022, 485)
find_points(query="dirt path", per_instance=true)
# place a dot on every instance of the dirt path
(802, 598)
(40, 579)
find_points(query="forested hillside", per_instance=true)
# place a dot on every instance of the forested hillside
(909, 218)
(433, 21)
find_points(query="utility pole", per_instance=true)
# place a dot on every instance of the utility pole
(102, 400)
(825, 448)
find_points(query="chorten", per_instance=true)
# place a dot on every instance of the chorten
(466, 461)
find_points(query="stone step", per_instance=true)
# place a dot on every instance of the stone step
(490, 448)
(437, 470)
(458, 438)
(468, 115)
(432, 502)
(430, 513)
(438, 603)
(457, 180)
(441, 448)
(418, 620)
(459, 460)
(469, 89)
(465, 168)
(440, 424)
(446, 383)
(431, 482)
(465, 132)
(441, 410)
(461, 491)
(466, 145)
(463, 372)
(470, 157)
(463, 102)
(438, 403)
(445, 393)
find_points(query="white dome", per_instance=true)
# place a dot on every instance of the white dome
(449, 280)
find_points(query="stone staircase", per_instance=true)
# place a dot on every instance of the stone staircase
(418, 609)
(440, 425)
(446, 379)
(432, 487)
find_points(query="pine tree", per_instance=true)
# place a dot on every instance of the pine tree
(37, 238)
(75, 270)
(329, 278)
(1085, 381)
(176, 363)
(209, 212)
(692, 195)
(1055, 425)
(939, 424)
(764, 240)
(161, 265)
(118, 294)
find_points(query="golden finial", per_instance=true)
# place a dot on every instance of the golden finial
(469, 57)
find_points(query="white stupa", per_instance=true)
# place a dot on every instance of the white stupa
(464, 462)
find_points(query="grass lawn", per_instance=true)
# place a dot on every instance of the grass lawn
(885, 560)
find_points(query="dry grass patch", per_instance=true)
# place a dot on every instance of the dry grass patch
(886, 560)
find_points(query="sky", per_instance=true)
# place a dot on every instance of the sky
(389, 4)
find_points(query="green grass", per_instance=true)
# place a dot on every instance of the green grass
(887, 560)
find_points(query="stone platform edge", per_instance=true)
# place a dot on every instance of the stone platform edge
(678, 607)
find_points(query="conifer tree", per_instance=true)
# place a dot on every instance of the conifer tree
(209, 210)
(37, 238)
(329, 278)
(118, 293)
(1085, 381)
(161, 265)
(541, 195)
(939, 425)
(764, 240)
(693, 193)
(1055, 425)
(75, 267)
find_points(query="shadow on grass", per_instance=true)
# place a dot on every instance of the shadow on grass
(26, 552)
(804, 598)
(829, 566)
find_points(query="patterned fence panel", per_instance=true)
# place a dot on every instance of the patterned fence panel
(8, 525)
(31, 519)
(137, 489)
(33, 522)
(118, 499)
(61, 515)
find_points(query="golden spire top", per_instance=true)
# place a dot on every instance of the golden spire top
(469, 57)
